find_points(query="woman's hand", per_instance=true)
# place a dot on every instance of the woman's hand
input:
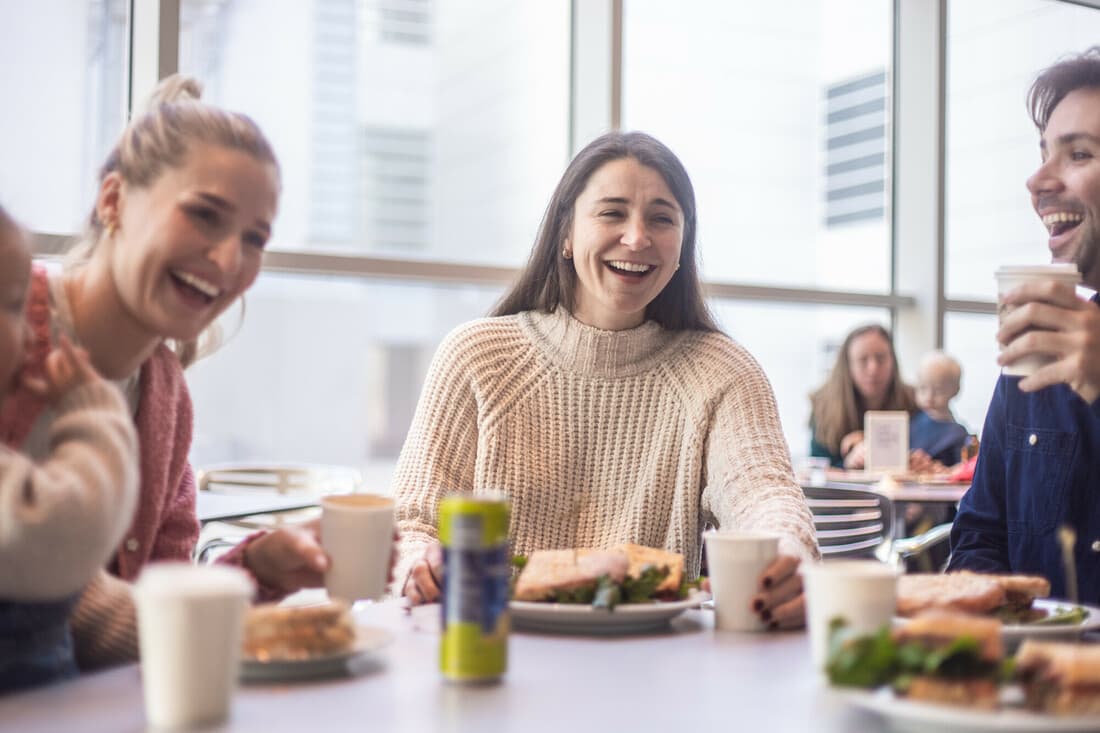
(425, 582)
(853, 449)
(779, 601)
(288, 559)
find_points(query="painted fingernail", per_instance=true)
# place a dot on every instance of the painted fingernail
(766, 615)
(767, 581)
(758, 605)
(773, 626)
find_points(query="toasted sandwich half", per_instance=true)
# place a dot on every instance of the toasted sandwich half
(969, 593)
(1062, 678)
(642, 557)
(1020, 592)
(951, 658)
(561, 575)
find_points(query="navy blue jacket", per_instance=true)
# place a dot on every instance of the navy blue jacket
(1038, 468)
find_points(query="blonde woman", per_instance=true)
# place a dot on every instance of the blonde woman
(603, 397)
(185, 205)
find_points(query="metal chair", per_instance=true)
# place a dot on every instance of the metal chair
(851, 523)
(309, 480)
(857, 523)
(282, 479)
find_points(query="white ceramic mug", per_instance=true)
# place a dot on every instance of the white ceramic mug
(190, 620)
(735, 561)
(1010, 277)
(862, 592)
(357, 534)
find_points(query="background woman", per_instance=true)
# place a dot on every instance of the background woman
(865, 377)
(185, 206)
(602, 396)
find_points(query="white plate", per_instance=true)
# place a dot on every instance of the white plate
(580, 618)
(907, 715)
(1018, 632)
(368, 640)
(1013, 634)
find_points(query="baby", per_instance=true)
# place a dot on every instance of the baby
(60, 520)
(934, 429)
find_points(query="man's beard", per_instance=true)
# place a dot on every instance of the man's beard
(1087, 256)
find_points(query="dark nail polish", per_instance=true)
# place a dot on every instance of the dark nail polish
(766, 615)
(758, 605)
(767, 582)
(773, 626)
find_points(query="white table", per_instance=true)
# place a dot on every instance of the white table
(689, 678)
(211, 506)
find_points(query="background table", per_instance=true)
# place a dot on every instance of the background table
(689, 678)
(211, 506)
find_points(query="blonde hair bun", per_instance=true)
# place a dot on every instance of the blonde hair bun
(173, 89)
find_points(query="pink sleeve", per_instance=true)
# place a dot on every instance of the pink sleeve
(179, 526)
(264, 593)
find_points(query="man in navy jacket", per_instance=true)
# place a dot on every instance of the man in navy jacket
(1039, 463)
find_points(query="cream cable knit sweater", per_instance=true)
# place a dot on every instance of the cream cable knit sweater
(600, 437)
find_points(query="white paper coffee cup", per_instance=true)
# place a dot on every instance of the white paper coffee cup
(862, 592)
(357, 534)
(190, 619)
(735, 561)
(1010, 277)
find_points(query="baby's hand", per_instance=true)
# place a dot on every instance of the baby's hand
(67, 367)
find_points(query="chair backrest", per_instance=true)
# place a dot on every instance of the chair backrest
(851, 523)
(282, 479)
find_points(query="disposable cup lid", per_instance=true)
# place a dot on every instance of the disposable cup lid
(1056, 270)
(179, 579)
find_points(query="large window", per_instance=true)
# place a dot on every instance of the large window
(781, 115)
(63, 80)
(995, 48)
(798, 362)
(418, 129)
(324, 369)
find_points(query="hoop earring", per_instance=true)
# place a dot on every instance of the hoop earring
(566, 253)
(110, 228)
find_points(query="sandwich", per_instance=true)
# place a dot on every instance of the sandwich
(1061, 678)
(970, 593)
(569, 576)
(1020, 592)
(643, 559)
(950, 658)
(627, 573)
(273, 632)
(1009, 597)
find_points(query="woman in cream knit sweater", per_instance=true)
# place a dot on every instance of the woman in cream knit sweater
(602, 397)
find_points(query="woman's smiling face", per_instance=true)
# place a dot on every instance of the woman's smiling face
(625, 241)
(192, 242)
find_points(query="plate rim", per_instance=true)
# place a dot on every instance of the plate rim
(540, 615)
(884, 702)
(368, 639)
(1023, 631)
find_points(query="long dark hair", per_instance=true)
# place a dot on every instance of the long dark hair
(837, 407)
(549, 280)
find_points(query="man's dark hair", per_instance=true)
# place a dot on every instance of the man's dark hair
(1055, 82)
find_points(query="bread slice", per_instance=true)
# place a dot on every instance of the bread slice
(548, 571)
(297, 632)
(939, 628)
(1020, 590)
(971, 693)
(1060, 677)
(640, 557)
(969, 593)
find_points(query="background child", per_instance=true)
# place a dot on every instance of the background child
(59, 521)
(934, 429)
